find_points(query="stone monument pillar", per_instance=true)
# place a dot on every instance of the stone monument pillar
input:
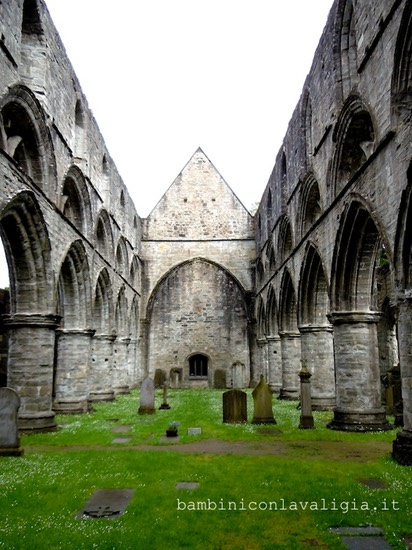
(291, 357)
(358, 391)
(317, 355)
(306, 416)
(30, 367)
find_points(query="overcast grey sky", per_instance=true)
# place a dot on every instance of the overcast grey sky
(164, 77)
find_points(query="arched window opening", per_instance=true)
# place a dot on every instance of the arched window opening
(21, 140)
(80, 130)
(198, 366)
(72, 205)
(31, 23)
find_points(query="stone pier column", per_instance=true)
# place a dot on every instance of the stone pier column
(100, 376)
(133, 364)
(274, 363)
(291, 364)
(30, 367)
(358, 391)
(402, 446)
(121, 376)
(71, 370)
(317, 357)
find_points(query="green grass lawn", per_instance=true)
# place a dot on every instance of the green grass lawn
(313, 478)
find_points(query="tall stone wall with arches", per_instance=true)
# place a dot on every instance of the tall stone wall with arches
(70, 231)
(333, 241)
(320, 277)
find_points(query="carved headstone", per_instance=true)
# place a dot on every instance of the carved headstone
(9, 436)
(220, 379)
(147, 405)
(175, 378)
(234, 406)
(262, 403)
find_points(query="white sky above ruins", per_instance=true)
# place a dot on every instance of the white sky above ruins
(164, 78)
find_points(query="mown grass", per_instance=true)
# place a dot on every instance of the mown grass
(42, 492)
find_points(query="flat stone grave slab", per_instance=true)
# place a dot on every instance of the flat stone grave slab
(122, 428)
(194, 431)
(374, 483)
(106, 503)
(121, 440)
(366, 543)
(187, 485)
(362, 538)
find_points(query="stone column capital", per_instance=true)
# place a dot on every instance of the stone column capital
(41, 320)
(353, 317)
(76, 331)
(315, 328)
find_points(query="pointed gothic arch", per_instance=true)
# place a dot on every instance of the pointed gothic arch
(355, 142)
(74, 292)
(311, 204)
(26, 138)
(28, 253)
(314, 303)
(76, 200)
(103, 304)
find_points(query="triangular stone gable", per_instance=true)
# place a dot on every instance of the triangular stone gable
(199, 205)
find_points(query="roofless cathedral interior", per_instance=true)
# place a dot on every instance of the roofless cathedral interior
(202, 292)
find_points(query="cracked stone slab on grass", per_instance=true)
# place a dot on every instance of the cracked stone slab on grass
(121, 440)
(106, 503)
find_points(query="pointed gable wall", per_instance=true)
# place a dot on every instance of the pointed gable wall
(199, 205)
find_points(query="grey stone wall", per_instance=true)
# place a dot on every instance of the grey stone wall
(198, 249)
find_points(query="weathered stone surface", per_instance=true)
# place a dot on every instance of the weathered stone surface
(101, 298)
(147, 397)
(9, 436)
(234, 406)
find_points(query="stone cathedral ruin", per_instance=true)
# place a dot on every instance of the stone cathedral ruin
(201, 290)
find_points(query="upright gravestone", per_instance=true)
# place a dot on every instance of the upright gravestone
(9, 437)
(220, 379)
(147, 392)
(234, 406)
(262, 404)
